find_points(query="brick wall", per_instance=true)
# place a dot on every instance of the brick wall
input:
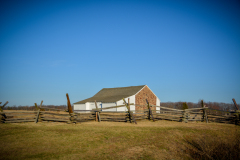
(141, 97)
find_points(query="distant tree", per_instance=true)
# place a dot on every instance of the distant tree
(184, 105)
(9, 108)
(178, 105)
(211, 105)
(190, 105)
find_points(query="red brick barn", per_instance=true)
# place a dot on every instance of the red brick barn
(108, 97)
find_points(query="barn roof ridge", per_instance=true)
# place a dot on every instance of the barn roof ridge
(109, 95)
(125, 87)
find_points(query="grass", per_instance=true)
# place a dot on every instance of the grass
(115, 140)
(215, 147)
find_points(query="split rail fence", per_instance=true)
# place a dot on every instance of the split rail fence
(44, 114)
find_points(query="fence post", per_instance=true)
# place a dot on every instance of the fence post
(97, 113)
(36, 106)
(96, 116)
(235, 104)
(150, 111)
(1, 110)
(69, 104)
(185, 116)
(131, 117)
(204, 112)
(1, 107)
(70, 111)
(38, 111)
(203, 116)
(37, 115)
(149, 114)
(237, 112)
(3, 116)
(237, 120)
(129, 114)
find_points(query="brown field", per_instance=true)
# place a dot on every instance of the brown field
(119, 140)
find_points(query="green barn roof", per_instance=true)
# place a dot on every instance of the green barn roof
(109, 95)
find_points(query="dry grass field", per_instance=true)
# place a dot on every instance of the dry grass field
(119, 140)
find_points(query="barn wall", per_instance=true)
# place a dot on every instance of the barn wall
(158, 102)
(104, 105)
(140, 98)
(79, 107)
(91, 105)
(120, 102)
(99, 104)
(87, 106)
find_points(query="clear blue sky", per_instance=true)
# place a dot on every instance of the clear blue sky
(183, 50)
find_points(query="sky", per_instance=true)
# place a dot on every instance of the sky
(183, 50)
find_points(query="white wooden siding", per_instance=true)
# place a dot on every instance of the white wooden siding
(120, 102)
(79, 107)
(158, 104)
(105, 105)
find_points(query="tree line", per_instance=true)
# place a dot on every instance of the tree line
(175, 105)
(211, 105)
(32, 108)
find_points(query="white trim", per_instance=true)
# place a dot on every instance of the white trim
(140, 90)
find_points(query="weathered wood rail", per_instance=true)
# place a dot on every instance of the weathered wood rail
(44, 114)
(33, 116)
(55, 116)
(187, 115)
(219, 116)
(105, 116)
(17, 116)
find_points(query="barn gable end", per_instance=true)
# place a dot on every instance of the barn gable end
(142, 95)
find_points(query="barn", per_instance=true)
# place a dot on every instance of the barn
(108, 97)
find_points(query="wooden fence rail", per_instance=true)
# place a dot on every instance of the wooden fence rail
(44, 114)
(18, 116)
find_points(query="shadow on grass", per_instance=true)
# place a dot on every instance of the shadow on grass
(212, 147)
